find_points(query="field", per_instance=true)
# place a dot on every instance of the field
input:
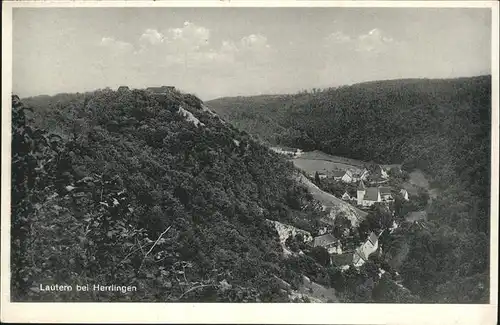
(313, 161)
(310, 166)
(317, 161)
(319, 155)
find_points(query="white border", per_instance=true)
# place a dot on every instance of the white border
(242, 313)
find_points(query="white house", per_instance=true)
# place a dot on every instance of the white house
(362, 253)
(346, 197)
(404, 194)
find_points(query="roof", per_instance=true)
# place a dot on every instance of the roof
(361, 186)
(371, 194)
(359, 252)
(324, 240)
(373, 238)
(161, 89)
(384, 190)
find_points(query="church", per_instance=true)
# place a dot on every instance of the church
(367, 196)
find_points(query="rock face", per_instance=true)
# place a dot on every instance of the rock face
(190, 117)
(285, 231)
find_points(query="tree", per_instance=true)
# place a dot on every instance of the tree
(341, 225)
(316, 178)
(321, 255)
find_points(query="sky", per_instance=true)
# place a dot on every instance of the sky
(218, 52)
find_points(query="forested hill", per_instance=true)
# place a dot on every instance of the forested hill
(441, 126)
(157, 192)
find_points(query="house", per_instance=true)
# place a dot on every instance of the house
(404, 194)
(360, 255)
(379, 175)
(346, 197)
(163, 90)
(329, 242)
(327, 221)
(123, 88)
(321, 175)
(385, 193)
(361, 175)
(338, 174)
(343, 175)
(367, 196)
(364, 251)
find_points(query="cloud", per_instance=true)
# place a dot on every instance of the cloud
(338, 37)
(152, 36)
(117, 45)
(186, 55)
(254, 42)
(189, 36)
(373, 41)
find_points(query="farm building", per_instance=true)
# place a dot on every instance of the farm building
(360, 255)
(329, 242)
(343, 175)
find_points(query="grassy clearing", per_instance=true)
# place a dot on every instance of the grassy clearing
(310, 166)
(319, 155)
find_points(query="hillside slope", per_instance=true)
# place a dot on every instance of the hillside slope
(149, 191)
(441, 126)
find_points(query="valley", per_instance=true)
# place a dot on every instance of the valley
(193, 201)
(418, 131)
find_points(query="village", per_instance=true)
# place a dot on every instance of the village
(359, 186)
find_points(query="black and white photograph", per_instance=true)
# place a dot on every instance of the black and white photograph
(230, 155)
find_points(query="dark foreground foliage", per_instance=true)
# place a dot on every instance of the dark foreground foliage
(125, 190)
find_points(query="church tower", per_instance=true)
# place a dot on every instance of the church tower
(361, 192)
